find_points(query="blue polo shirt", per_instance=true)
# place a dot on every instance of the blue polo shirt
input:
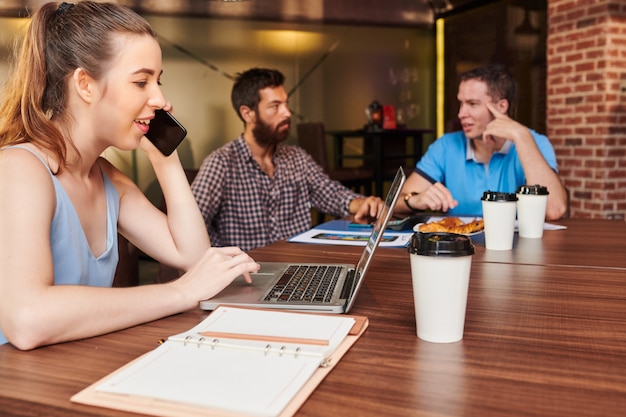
(450, 161)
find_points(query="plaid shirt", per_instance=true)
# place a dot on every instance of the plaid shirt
(243, 206)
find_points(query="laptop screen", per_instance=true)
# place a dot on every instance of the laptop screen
(377, 234)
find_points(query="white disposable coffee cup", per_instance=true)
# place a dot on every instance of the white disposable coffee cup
(499, 218)
(532, 201)
(440, 267)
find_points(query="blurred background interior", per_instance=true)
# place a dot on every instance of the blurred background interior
(337, 56)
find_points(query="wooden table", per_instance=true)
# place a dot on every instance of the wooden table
(542, 338)
(585, 243)
(378, 154)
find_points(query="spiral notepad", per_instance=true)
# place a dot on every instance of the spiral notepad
(237, 360)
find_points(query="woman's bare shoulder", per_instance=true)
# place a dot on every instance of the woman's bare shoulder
(24, 163)
(26, 181)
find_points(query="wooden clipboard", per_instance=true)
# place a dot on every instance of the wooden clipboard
(163, 408)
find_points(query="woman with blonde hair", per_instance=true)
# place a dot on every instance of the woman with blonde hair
(88, 78)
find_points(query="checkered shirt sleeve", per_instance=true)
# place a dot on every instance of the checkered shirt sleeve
(242, 206)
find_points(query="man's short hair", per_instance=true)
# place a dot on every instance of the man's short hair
(248, 84)
(499, 80)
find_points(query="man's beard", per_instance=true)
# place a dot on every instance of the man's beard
(266, 136)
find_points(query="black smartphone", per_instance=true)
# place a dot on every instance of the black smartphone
(165, 132)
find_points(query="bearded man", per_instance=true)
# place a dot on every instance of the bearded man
(256, 190)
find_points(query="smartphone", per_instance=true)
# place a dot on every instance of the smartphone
(408, 222)
(165, 132)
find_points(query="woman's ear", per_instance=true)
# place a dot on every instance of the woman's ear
(83, 84)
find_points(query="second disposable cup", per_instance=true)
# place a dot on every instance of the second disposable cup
(440, 267)
(499, 217)
(532, 201)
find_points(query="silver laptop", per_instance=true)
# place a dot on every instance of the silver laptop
(330, 288)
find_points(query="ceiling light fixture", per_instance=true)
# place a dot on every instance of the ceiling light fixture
(440, 6)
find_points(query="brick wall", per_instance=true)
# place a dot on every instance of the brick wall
(586, 103)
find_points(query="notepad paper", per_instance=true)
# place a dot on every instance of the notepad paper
(250, 377)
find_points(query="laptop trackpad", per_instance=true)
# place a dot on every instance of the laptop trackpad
(239, 291)
(269, 268)
(259, 283)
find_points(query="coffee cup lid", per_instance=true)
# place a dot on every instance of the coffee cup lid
(532, 190)
(440, 244)
(498, 196)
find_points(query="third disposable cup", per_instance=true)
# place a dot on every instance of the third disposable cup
(531, 210)
(440, 267)
(499, 216)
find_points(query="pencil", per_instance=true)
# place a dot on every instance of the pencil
(262, 338)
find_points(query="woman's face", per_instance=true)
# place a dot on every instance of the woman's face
(129, 92)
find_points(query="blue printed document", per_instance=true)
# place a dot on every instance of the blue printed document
(343, 232)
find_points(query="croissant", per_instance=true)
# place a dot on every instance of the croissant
(453, 225)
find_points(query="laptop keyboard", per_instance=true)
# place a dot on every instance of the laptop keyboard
(305, 283)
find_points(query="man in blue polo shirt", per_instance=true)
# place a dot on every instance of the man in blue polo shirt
(491, 152)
